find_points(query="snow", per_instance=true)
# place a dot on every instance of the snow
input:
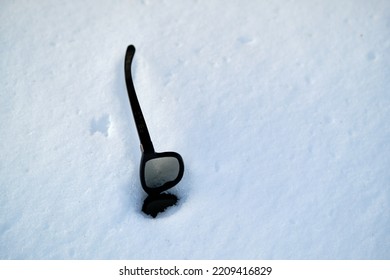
(280, 110)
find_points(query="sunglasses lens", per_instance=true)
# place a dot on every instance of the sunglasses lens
(159, 171)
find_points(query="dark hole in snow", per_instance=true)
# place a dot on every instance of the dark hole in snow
(154, 204)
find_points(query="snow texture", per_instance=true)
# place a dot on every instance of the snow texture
(280, 110)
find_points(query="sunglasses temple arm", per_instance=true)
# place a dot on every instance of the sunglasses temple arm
(143, 133)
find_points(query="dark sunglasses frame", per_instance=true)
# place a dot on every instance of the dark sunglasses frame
(147, 148)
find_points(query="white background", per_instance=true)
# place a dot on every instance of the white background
(303, 270)
(280, 110)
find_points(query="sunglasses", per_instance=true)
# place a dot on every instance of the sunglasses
(158, 171)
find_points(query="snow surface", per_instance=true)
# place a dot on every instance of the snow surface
(280, 110)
